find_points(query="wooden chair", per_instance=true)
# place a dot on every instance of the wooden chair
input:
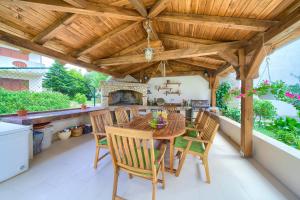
(197, 146)
(197, 119)
(134, 112)
(133, 151)
(121, 116)
(199, 125)
(170, 109)
(99, 120)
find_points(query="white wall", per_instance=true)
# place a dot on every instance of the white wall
(192, 87)
(281, 160)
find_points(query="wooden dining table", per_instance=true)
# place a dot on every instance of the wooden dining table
(174, 128)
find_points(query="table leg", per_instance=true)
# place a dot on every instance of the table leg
(171, 155)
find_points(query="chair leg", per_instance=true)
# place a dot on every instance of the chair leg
(115, 188)
(153, 190)
(163, 174)
(205, 162)
(181, 161)
(96, 157)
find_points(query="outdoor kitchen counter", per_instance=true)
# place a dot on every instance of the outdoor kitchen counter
(49, 116)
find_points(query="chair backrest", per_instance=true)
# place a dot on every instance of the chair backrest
(99, 120)
(132, 150)
(209, 132)
(134, 111)
(199, 116)
(170, 108)
(202, 120)
(121, 115)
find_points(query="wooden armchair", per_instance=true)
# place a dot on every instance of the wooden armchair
(134, 112)
(170, 109)
(197, 128)
(121, 116)
(99, 120)
(197, 146)
(133, 151)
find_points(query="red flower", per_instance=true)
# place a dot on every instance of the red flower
(266, 82)
(289, 95)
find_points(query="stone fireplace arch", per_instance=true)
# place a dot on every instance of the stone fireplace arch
(109, 87)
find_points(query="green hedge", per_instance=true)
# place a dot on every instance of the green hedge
(11, 101)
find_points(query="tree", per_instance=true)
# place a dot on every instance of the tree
(95, 78)
(264, 110)
(67, 82)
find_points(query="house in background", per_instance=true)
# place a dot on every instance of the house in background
(20, 70)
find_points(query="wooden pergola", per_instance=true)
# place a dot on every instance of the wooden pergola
(193, 36)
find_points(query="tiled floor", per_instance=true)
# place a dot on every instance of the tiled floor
(65, 172)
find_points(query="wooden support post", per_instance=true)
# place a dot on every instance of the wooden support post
(213, 88)
(246, 119)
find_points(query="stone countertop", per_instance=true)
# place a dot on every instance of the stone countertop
(49, 116)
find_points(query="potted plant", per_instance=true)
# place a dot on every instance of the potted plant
(81, 99)
(22, 111)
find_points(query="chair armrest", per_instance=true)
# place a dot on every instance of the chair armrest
(99, 134)
(162, 152)
(123, 125)
(195, 139)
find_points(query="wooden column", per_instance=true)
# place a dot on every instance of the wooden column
(213, 83)
(246, 119)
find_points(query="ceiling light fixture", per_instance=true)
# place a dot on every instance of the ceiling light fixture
(148, 51)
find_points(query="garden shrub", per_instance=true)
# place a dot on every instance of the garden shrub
(264, 110)
(286, 130)
(80, 98)
(221, 95)
(12, 101)
(232, 113)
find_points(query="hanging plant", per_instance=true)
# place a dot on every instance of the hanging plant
(267, 90)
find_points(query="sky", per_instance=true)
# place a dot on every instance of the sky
(49, 61)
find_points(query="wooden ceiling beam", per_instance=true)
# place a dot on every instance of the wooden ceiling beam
(77, 3)
(101, 40)
(195, 42)
(177, 63)
(285, 27)
(188, 73)
(136, 46)
(199, 64)
(229, 57)
(225, 22)
(94, 9)
(222, 69)
(29, 45)
(252, 69)
(139, 6)
(186, 39)
(158, 7)
(169, 55)
(51, 30)
(137, 69)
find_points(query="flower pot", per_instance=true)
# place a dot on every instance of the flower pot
(22, 113)
(268, 96)
(83, 106)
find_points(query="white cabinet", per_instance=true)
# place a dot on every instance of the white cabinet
(14, 149)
